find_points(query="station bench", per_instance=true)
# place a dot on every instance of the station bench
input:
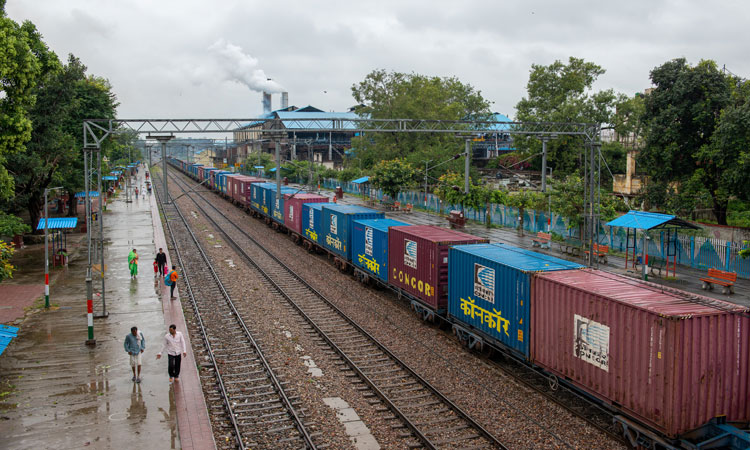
(656, 263)
(407, 207)
(571, 246)
(724, 279)
(456, 219)
(600, 251)
(541, 240)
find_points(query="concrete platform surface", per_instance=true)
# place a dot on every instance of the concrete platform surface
(55, 392)
(15, 298)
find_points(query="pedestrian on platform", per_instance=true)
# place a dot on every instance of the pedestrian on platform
(161, 261)
(174, 345)
(133, 264)
(135, 344)
(136, 192)
(171, 281)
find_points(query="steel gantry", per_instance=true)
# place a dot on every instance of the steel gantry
(95, 131)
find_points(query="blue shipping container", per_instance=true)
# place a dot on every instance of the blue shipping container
(338, 226)
(274, 208)
(489, 290)
(221, 180)
(370, 245)
(256, 196)
(312, 221)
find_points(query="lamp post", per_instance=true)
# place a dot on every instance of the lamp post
(46, 247)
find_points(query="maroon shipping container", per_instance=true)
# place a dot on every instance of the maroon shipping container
(293, 209)
(418, 261)
(668, 358)
(240, 188)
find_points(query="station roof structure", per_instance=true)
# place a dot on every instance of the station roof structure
(58, 223)
(641, 220)
(83, 194)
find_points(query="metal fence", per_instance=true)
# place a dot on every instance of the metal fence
(692, 251)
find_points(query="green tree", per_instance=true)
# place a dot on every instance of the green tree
(393, 176)
(390, 95)
(682, 152)
(562, 93)
(566, 198)
(523, 200)
(6, 255)
(23, 57)
(451, 190)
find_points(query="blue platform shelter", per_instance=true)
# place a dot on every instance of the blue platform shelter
(648, 221)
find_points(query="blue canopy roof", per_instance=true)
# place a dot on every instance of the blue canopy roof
(109, 178)
(259, 167)
(116, 172)
(58, 223)
(642, 220)
(7, 333)
(361, 180)
(83, 194)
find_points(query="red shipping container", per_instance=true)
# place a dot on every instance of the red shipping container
(668, 358)
(293, 209)
(418, 261)
(240, 188)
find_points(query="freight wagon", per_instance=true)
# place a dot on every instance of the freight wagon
(370, 249)
(338, 227)
(418, 265)
(293, 204)
(669, 359)
(490, 293)
(312, 225)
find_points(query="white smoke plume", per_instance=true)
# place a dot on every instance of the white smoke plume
(242, 68)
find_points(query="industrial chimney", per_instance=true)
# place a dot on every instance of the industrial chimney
(266, 103)
(284, 100)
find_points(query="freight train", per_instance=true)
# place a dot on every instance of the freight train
(672, 366)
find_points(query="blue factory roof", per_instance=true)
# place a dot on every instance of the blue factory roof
(288, 119)
(519, 258)
(58, 223)
(642, 220)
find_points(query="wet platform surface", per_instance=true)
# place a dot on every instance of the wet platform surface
(55, 392)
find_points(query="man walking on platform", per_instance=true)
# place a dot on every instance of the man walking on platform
(161, 261)
(135, 344)
(171, 281)
(174, 345)
(133, 264)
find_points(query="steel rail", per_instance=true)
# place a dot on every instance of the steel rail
(277, 384)
(486, 434)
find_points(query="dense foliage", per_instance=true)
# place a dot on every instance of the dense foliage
(393, 176)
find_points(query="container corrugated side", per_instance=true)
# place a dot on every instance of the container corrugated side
(276, 204)
(668, 358)
(338, 225)
(370, 245)
(312, 221)
(418, 261)
(293, 209)
(259, 195)
(489, 290)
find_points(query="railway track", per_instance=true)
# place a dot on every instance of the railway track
(259, 412)
(433, 420)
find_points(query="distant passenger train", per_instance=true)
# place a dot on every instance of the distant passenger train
(672, 365)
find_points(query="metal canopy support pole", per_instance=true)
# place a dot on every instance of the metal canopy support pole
(104, 312)
(466, 167)
(46, 252)
(330, 146)
(294, 147)
(544, 163)
(278, 168)
(89, 286)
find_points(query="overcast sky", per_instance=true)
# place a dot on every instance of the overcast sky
(175, 59)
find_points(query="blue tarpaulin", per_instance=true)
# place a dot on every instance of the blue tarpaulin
(7, 333)
(59, 223)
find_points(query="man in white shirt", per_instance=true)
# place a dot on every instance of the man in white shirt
(174, 345)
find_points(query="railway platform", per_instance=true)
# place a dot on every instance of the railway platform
(55, 392)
